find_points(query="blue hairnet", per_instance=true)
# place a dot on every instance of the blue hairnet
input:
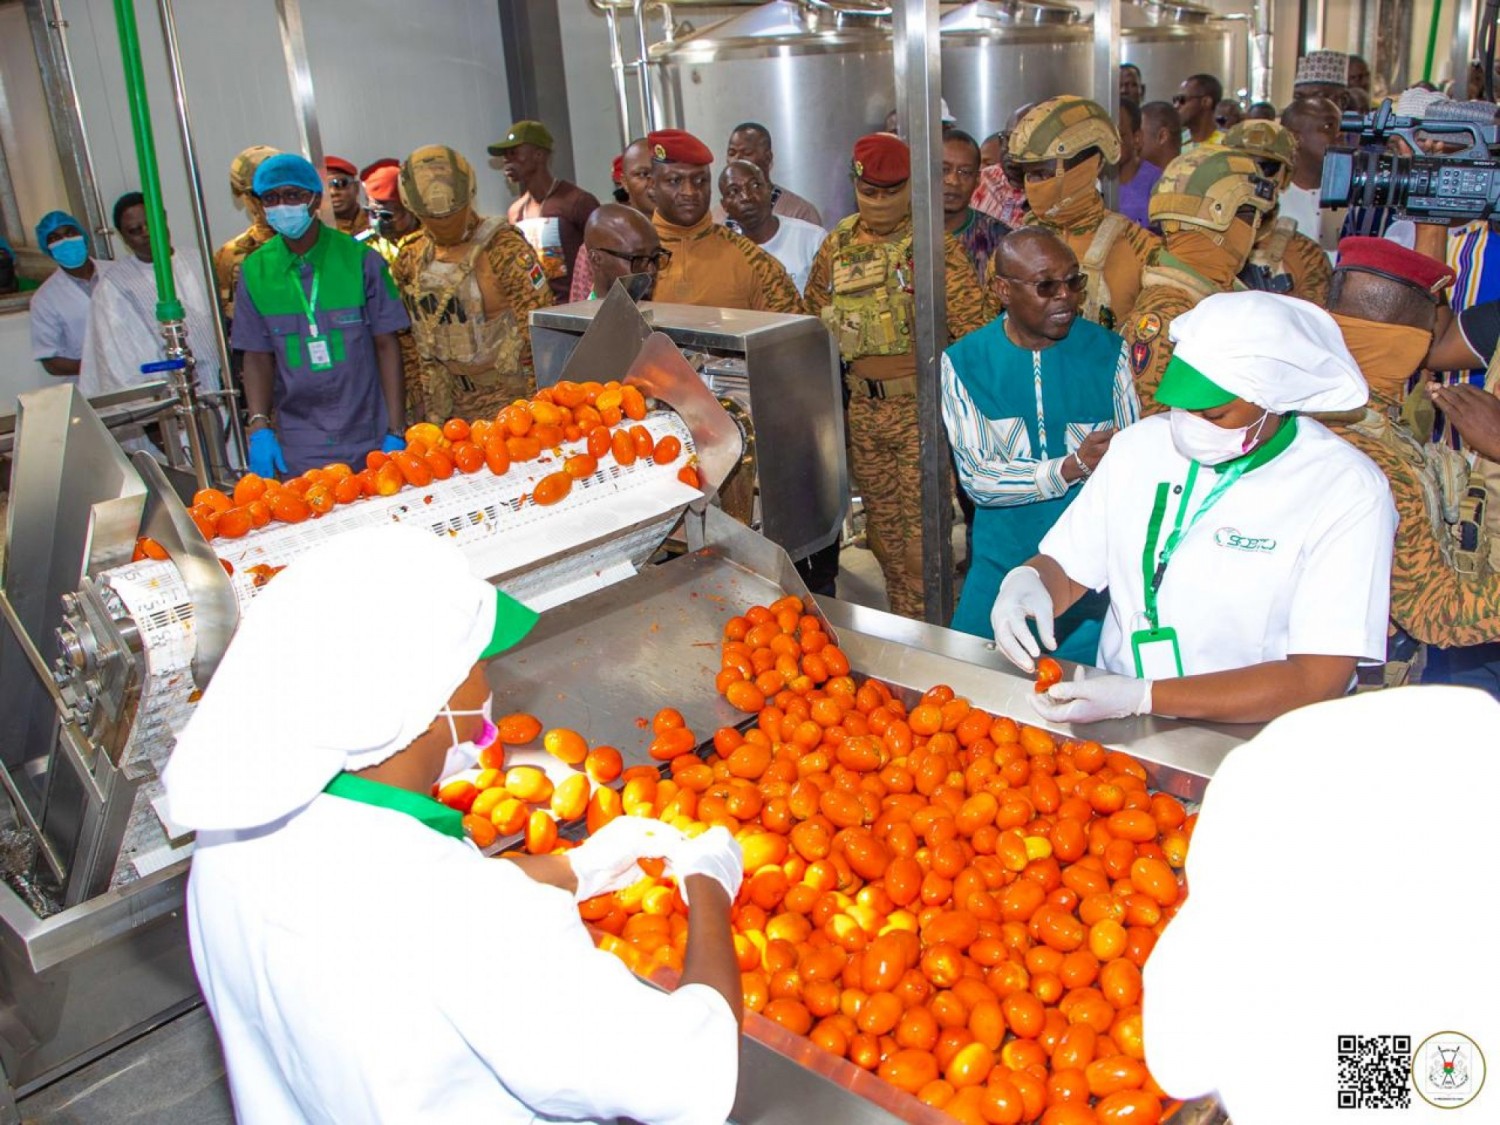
(51, 221)
(287, 169)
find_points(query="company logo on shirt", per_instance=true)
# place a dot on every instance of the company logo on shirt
(1231, 537)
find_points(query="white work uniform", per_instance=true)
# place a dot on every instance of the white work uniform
(60, 314)
(795, 244)
(1293, 559)
(363, 966)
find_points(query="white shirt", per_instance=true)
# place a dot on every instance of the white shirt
(361, 966)
(60, 314)
(1294, 558)
(122, 328)
(795, 244)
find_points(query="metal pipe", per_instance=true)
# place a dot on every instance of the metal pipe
(1107, 76)
(62, 105)
(1432, 34)
(299, 75)
(918, 69)
(617, 70)
(642, 71)
(229, 396)
(1262, 42)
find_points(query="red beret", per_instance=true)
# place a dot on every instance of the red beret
(617, 170)
(376, 165)
(674, 146)
(1391, 259)
(383, 184)
(339, 164)
(881, 159)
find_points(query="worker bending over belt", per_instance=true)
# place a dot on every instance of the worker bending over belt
(362, 960)
(1247, 551)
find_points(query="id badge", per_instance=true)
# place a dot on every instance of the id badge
(1156, 654)
(319, 358)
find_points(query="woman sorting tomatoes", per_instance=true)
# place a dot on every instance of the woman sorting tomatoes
(1246, 549)
(363, 961)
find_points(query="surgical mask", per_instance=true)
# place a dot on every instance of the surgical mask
(884, 213)
(1068, 196)
(1199, 440)
(1387, 354)
(290, 220)
(463, 755)
(70, 253)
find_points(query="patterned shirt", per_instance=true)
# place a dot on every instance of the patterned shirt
(995, 196)
(980, 237)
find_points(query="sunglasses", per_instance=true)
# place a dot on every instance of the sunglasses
(1183, 99)
(1050, 287)
(640, 263)
(340, 182)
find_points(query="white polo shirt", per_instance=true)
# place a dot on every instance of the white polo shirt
(363, 966)
(1293, 558)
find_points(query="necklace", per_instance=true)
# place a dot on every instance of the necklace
(530, 199)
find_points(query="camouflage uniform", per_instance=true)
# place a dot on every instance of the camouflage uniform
(1199, 193)
(1283, 260)
(1111, 249)
(231, 256)
(860, 284)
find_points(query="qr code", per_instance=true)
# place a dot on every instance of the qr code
(1374, 1071)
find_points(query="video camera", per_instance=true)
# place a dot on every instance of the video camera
(1461, 186)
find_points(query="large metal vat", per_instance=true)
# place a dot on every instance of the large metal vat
(1169, 42)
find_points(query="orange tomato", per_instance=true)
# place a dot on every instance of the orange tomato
(1048, 672)
(910, 1069)
(518, 728)
(541, 833)
(287, 507)
(622, 448)
(667, 450)
(670, 743)
(570, 798)
(234, 523)
(215, 500)
(603, 764)
(552, 488)
(633, 403)
(1129, 1107)
(566, 745)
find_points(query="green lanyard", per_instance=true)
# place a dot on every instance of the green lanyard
(309, 304)
(434, 814)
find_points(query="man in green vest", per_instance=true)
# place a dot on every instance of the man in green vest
(316, 315)
(1031, 401)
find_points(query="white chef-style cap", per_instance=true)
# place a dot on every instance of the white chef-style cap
(340, 662)
(1281, 353)
(1340, 884)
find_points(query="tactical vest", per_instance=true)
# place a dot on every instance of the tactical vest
(1167, 270)
(1097, 296)
(1453, 494)
(871, 312)
(1266, 270)
(448, 320)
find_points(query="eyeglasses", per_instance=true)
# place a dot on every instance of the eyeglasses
(277, 197)
(1050, 287)
(339, 182)
(640, 263)
(382, 216)
(1182, 99)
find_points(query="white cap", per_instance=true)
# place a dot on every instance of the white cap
(1279, 352)
(1339, 885)
(340, 662)
(944, 113)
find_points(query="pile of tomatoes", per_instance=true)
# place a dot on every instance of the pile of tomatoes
(954, 901)
(605, 417)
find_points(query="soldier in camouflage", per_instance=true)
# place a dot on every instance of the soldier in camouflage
(1209, 204)
(1062, 146)
(469, 283)
(1283, 259)
(229, 257)
(861, 284)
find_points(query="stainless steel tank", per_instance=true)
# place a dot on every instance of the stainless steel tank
(997, 56)
(817, 81)
(1170, 41)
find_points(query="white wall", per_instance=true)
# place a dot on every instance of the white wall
(25, 128)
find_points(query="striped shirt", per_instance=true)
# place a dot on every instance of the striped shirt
(995, 461)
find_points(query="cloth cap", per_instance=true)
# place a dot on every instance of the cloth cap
(1281, 353)
(383, 184)
(523, 133)
(338, 165)
(339, 663)
(1228, 1007)
(1389, 259)
(1322, 68)
(945, 115)
(436, 181)
(1414, 102)
(1476, 112)
(676, 146)
(881, 159)
(242, 168)
(376, 165)
(287, 169)
(51, 221)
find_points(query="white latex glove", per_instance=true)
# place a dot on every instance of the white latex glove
(1022, 595)
(715, 853)
(1102, 695)
(607, 860)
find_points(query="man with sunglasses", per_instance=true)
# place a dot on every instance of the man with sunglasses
(619, 241)
(316, 316)
(1063, 146)
(394, 226)
(1196, 102)
(1031, 401)
(343, 195)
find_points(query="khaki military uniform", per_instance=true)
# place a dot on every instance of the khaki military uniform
(469, 319)
(416, 402)
(1170, 287)
(1287, 261)
(357, 225)
(712, 265)
(861, 284)
(1112, 252)
(230, 257)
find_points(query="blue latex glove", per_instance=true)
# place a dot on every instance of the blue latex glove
(265, 453)
(392, 444)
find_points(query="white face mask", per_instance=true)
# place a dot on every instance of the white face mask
(463, 755)
(1200, 440)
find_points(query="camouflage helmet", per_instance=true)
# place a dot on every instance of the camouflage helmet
(242, 168)
(1266, 141)
(436, 181)
(1062, 128)
(1206, 186)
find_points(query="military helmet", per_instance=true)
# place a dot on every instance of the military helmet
(242, 168)
(1266, 141)
(1207, 185)
(436, 181)
(1063, 127)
